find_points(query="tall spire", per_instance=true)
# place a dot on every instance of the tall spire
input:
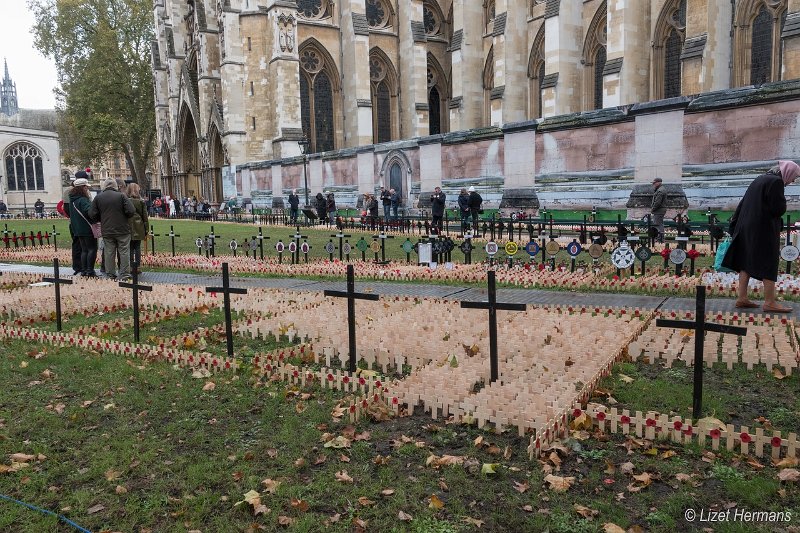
(8, 94)
(7, 77)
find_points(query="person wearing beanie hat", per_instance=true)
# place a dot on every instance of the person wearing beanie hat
(755, 229)
(113, 209)
(77, 264)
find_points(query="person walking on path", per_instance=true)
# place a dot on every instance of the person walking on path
(113, 209)
(658, 208)
(78, 209)
(294, 207)
(438, 199)
(139, 224)
(475, 206)
(755, 228)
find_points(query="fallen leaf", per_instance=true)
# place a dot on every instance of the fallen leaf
(708, 423)
(521, 487)
(558, 483)
(787, 462)
(610, 468)
(777, 373)
(120, 489)
(381, 460)
(684, 478)
(627, 468)
(527, 508)
(364, 435)
(209, 386)
(300, 407)
(667, 454)
(789, 474)
(493, 450)
(22, 457)
(435, 502)
(473, 521)
(585, 511)
(342, 477)
(610, 527)
(95, 509)
(404, 517)
(343, 458)
(366, 502)
(285, 520)
(584, 421)
(625, 379)
(300, 463)
(111, 475)
(270, 485)
(478, 441)
(489, 468)
(338, 442)
(300, 505)
(507, 453)
(387, 492)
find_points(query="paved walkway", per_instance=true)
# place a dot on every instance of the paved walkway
(526, 296)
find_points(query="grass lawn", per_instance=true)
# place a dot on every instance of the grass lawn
(132, 446)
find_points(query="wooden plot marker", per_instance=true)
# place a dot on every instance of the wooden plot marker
(134, 284)
(700, 326)
(172, 236)
(153, 236)
(351, 296)
(493, 307)
(226, 291)
(57, 281)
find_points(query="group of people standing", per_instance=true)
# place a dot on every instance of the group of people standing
(470, 206)
(122, 215)
(172, 207)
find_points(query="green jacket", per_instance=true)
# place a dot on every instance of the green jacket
(138, 221)
(659, 205)
(113, 209)
(79, 226)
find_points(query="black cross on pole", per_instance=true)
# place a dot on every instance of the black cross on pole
(172, 236)
(57, 281)
(153, 236)
(260, 238)
(134, 284)
(700, 326)
(55, 238)
(226, 291)
(297, 236)
(341, 236)
(493, 307)
(213, 238)
(382, 236)
(351, 296)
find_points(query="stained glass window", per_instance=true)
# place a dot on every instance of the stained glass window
(434, 111)
(384, 113)
(599, 65)
(323, 112)
(309, 8)
(24, 168)
(396, 178)
(430, 20)
(672, 65)
(377, 14)
(761, 51)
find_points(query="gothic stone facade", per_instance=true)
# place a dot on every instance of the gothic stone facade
(508, 95)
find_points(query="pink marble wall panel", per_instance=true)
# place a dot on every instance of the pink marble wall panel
(598, 148)
(753, 133)
(292, 177)
(340, 172)
(473, 160)
(261, 179)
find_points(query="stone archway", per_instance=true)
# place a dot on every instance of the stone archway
(187, 180)
(396, 173)
(217, 157)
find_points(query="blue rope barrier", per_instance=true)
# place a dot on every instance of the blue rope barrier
(46, 512)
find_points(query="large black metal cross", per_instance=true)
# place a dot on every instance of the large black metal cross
(172, 236)
(153, 236)
(57, 281)
(55, 235)
(260, 238)
(700, 326)
(351, 296)
(226, 291)
(493, 307)
(297, 236)
(134, 284)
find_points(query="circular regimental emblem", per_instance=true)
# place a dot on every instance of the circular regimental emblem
(622, 256)
(198, 242)
(512, 248)
(491, 248)
(789, 253)
(552, 248)
(595, 251)
(233, 244)
(346, 248)
(305, 247)
(253, 244)
(329, 247)
(532, 248)
(574, 249)
(407, 246)
(643, 253)
(293, 247)
(375, 246)
(438, 247)
(677, 256)
(449, 245)
(362, 245)
(467, 247)
(279, 247)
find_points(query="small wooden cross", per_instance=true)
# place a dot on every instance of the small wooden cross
(55, 235)
(341, 236)
(351, 296)
(382, 236)
(134, 284)
(57, 281)
(493, 307)
(226, 291)
(297, 236)
(260, 238)
(172, 236)
(153, 236)
(700, 326)
(213, 236)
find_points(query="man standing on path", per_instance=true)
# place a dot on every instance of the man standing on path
(386, 199)
(38, 208)
(438, 199)
(294, 207)
(395, 201)
(475, 206)
(659, 208)
(113, 209)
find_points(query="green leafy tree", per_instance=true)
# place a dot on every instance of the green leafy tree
(102, 53)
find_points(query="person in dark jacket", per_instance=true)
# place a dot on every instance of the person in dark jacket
(371, 205)
(394, 197)
(77, 267)
(294, 206)
(113, 209)
(79, 223)
(438, 199)
(386, 200)
(658, 208)
(475, 206)
(755, 228)
(139, 224)
(38, 207)
(322, 207)
(463, 208)
(330, 205)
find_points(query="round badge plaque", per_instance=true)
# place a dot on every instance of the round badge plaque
(375, 246)
(293, 247)
(253, 245)
(279, 247)
(362, 245)
(491, 248)
(408, 246)
(574, 249)
(789, 253)
(622, 256)
(512, 248)
(643, 253)
(595, 251)
(552, 248)
(532, 248)
(305, 247)
(677, 256)
(466, 247)
(346, 248)
(198, 242)
(233, 244)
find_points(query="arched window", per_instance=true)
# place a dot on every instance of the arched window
(379, 14)
(434, 111)
(314, 9)
(757, 41)
(384, 97)
(536, 72)
(488, 85)
(669, 36)
(594, 60)
(432, 19)
(489, 13)
(319, 90)
(24, 168)
(438, 99)
(396, 179)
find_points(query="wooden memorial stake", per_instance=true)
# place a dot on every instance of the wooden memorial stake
(6, 238)
(261, 239)
(153, 236)
(700, 326)
(57, 281)
(172, 236)
(351, 296)
(382, 236)
(134, 284)
(213, 238)
(55, 238)
(341, 236)
(296, 253)
(226, 291)
(493, 307)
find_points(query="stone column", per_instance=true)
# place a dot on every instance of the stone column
(625, 76)
(277, 186)
(659, 143)
(519, 171)
(232, 85)
(413, 68)
(283, 75)
(355, 73)
(562, 52)
(791, 42)
(514, 22)
(430, 169)
(706, 55)
(466, 106)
